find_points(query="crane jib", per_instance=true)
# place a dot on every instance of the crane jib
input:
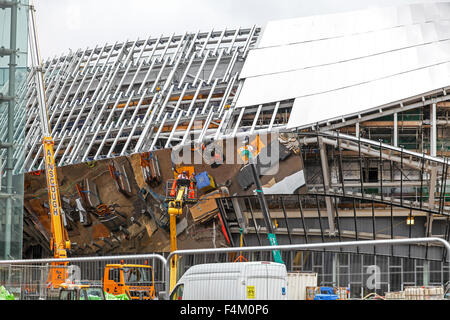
(51, 183)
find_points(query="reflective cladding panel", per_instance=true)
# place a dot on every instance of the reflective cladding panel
(317, 80)
(355, 99)
(316, 53)
(282, 32)
(355, 60)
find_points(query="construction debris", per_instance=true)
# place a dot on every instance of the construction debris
(119, 174)
(289, 141)
(161, 220)
(417, 293)
(91, 193)
(83, 214)
(205, 182)
(181, 226)
(206, 208)
(288, 185)
(150, 169)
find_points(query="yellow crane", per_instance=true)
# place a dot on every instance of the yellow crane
(60, 242)
(184, 190)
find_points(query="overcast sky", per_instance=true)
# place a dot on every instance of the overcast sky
(74, 24)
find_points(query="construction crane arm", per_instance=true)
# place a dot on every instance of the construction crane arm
(60, 241)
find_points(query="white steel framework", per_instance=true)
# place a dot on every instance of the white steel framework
(136, 96)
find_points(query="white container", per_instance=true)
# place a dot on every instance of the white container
(297, 283)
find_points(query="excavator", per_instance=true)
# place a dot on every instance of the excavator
(60, 243)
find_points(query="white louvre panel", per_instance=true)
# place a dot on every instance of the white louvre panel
(111, 100)
(282, 32)
(341, 64)
(314, 54)
(351, 100)
(312, 81)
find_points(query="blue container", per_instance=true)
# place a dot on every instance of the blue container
(203, 180)
(326, 293)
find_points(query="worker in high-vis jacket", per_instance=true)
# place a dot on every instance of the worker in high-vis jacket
(192, 184)
(246, 150)
(184, 179)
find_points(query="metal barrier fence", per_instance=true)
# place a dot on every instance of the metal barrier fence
(27, 279)
(220, 254)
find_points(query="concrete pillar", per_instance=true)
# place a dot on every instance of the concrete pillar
(433, 177)
(395, 130)
(335, 270)
(426, 273)
(433, 131)
(241, 218)
(431, 199)
(326, 182)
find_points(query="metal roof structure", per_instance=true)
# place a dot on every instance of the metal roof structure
(331, 70)
(137, 95)
(347, 63)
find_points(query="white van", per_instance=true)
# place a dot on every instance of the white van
(233, 281)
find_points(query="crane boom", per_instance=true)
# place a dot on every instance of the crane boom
(60, 242)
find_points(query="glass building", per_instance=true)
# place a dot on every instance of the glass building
(13, 76)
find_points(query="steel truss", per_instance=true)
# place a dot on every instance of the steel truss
(301, 218)
(137, 96)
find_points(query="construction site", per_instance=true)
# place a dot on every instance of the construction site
(320, 144)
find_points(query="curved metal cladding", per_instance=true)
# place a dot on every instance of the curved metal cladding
(137, 95)
(350, 62)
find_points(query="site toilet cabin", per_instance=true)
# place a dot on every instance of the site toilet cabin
(233, 281)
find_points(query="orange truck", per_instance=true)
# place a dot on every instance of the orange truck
(134, 280)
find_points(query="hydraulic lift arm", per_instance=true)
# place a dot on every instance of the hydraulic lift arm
(175, 209)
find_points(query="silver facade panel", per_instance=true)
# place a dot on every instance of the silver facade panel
(365, 97)
(317, 53)
(282, 32)
(341, 64)
(318, 80)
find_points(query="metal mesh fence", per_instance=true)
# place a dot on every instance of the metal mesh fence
(361, 274)
(28, 280)
(247, 273)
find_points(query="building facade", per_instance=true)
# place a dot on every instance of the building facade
(359, 103)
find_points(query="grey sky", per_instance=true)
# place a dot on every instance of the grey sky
(64, 24)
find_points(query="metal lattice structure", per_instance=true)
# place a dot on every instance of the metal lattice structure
(138, 95)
